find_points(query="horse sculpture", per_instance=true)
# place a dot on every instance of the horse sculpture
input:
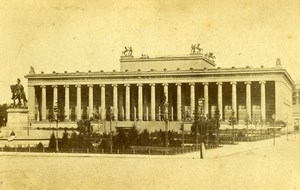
(128, 51)
(195, 47)
(18, 93)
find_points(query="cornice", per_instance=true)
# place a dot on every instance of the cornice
(199, 73)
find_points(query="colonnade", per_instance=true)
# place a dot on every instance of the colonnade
(140, 96)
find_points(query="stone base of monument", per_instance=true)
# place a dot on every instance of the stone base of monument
(18, 130)
(17, 118)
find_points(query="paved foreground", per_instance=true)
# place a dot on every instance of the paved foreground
(253, 165)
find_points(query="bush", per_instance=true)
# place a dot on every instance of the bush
(103, 144)
(40, 147)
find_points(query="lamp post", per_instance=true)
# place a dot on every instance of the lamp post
(200, 106)
(261, 122)
(182, 129)
(55, 117)
(207, 130)
(217, 117)
(247, 125)
(111, 117)
(166, 118)
(28, 116)
(273, 122)
(232, 121)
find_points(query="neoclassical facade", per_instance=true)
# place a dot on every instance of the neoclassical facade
(135, 93)
(296, 105)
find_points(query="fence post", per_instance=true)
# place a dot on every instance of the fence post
(16, 149)
(2, 149)
(87, 150)
(149, 151)
(28, 148)
(43, 149)
(102, 150)
(118, 151)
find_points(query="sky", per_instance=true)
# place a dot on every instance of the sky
(90, 35)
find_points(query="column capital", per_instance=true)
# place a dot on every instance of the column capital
(192, 84)
(165, 84)
(248, 82)
(54, 86)
(262, 82)
(114, 85)
(178, 84)
(152, 84)
(127, 85)
(219, 83)
(78, 85)
(66, 86)
(205, 83)
(43, 86)
(139, 84)
(233, 83)
(90, 85)
(102, 85)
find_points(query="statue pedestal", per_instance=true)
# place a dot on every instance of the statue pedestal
(127, 57)
(17, 118)
(196, 54)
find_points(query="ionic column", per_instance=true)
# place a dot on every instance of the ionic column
(233, 98)
(31, 102)
(67, 102)
(127, 102)
(91, 100)
(248, 98)
(78, 105)
(43, 108)
(140, 102)
(115, 100)
(54, 95)
(152, 102)
(263, 99)
(166, 91)
(192, 97)
(179, 108)
(206, 98)
(220, 101)
(103, 106)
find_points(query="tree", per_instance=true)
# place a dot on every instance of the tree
(3, 114)
(132, 137)
(144, 138)
(103, 144)
(120, 140)
(84, 127)
(40, 147)
(73, 140)
(65, 140)
(52, 142)
(232, 121)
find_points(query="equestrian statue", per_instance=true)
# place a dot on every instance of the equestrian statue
(18, 93)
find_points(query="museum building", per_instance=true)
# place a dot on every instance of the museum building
(135, 93)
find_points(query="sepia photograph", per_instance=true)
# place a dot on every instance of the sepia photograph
(149, 95)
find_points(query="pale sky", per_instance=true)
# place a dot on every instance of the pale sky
(90, 35)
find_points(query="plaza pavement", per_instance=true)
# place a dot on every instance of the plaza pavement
(249, 165)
